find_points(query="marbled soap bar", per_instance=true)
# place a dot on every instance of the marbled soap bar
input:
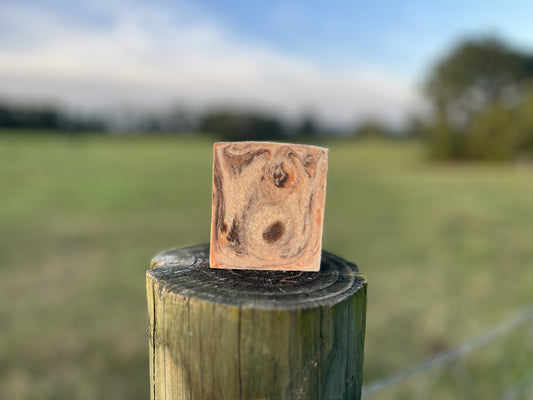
(268, 206)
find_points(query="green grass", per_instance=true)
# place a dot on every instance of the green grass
(447, 249)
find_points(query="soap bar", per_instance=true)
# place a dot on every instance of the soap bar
(268, 206)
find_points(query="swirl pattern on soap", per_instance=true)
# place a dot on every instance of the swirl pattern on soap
(268, 204)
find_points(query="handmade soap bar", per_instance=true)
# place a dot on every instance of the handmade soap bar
(268, 206)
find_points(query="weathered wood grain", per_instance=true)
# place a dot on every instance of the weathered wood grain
(268, 206)
(244, 334)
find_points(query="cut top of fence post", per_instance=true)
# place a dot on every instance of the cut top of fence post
(268, 206)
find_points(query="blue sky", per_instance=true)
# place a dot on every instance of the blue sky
(343, 60)
(401, 33)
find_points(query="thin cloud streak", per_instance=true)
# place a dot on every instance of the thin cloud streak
(144, 58)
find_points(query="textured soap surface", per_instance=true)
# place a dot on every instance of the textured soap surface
(268, 206)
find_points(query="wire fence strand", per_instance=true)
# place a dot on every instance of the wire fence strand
(502, 328)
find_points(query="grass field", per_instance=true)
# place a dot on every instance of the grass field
(447, 250)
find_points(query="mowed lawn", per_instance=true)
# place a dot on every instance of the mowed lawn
(447, 250)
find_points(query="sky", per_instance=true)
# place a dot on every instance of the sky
(343, 61)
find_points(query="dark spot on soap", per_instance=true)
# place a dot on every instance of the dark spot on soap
(233, 235)
(224, 227)
(274, 232)
(279, 176)
(218, 198)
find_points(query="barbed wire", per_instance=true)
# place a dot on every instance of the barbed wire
(502, 328)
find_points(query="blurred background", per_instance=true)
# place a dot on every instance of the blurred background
(108, 112)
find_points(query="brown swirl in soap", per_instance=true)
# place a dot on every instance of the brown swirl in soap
(268, 203)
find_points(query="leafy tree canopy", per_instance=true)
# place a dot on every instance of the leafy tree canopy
(475, 74)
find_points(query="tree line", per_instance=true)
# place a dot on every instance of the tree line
(480, 95)
(45, 117)
(225, 124)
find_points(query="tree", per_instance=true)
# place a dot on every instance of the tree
(228, 125)
(371, 128)
(308, 126)
(475, 74)
(474, 92)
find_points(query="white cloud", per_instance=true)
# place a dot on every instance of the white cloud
(146, 58)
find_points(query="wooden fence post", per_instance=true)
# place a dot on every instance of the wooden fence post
(244, 334)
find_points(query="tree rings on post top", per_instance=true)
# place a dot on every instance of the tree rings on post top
(252, 334)
(268, 206)
(187, 272)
